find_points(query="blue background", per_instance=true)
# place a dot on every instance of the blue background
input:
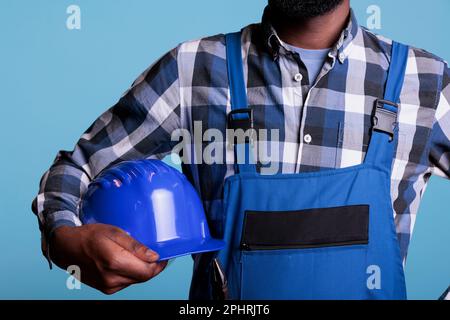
(54, 82)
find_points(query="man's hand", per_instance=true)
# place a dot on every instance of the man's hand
(109, 259)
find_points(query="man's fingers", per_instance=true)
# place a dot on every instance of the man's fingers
(114, 281)
(126, 264)
(135, 247)
(113, 290)
(108, 282)
(160, 267)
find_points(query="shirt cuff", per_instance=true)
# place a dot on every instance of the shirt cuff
(54, 221)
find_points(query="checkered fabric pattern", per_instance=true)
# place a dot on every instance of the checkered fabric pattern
(322, 125)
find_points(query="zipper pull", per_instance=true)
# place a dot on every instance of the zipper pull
(245, 247)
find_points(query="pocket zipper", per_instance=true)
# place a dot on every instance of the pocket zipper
(256, 247)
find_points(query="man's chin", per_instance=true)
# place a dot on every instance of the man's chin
(301, 9)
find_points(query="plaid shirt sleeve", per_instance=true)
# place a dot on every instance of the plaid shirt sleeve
(439, 155)
(139, 125)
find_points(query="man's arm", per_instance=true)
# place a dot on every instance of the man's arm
(138, 126)
(439, 156)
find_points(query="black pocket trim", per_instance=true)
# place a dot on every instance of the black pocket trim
(336, 226)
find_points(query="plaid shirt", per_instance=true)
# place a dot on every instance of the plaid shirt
(323, 124)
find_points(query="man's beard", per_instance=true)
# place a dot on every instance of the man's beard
(300, 9)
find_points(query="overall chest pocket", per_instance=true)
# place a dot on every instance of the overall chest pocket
(305, 254)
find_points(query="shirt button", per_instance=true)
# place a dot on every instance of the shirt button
(307, 138)
(298, 77)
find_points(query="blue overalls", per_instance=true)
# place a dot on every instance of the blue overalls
(314, 235)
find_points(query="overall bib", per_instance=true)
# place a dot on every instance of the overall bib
(314, 235)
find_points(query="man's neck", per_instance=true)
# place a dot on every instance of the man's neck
(314, 33)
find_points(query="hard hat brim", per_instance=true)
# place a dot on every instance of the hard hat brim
(177, 248)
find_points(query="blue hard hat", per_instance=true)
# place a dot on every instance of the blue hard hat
(154, 203)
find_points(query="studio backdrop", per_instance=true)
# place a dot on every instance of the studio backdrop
(62, 63)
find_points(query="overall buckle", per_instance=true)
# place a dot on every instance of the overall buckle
(384, 120)
(240, 119)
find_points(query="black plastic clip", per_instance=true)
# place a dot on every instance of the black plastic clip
(240, 119)
(384, 120)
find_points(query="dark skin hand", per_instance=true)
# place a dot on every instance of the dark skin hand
(109, 259)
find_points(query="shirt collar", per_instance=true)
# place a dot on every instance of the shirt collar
(275, 45)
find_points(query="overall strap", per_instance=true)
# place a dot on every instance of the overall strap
(241, 116)
(384, 119)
